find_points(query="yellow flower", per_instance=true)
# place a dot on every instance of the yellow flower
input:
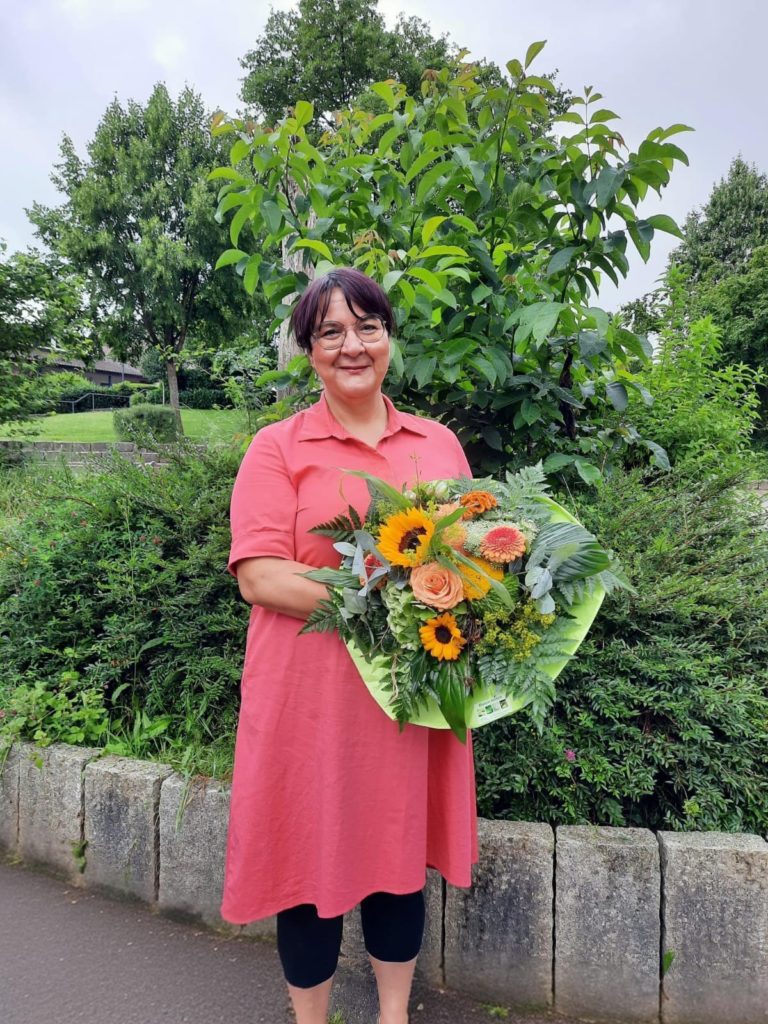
(442, 637)
(404, 537)
(476, 585)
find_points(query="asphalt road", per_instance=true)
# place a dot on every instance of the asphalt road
(72, 956)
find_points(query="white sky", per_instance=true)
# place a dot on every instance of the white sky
(700, 62)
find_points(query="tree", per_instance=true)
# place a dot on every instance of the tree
(719, 239)
(329, 51)
(738, 303)
(490, 238)
(139, 224)
(40, 305)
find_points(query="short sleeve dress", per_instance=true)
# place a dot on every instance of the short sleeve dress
(330, 801)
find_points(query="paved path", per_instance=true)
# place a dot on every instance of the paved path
(72, 956)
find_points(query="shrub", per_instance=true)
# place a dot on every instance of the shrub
(662, 720)
(152, 395)
(119, 579)
(701, 407)
(204, 398)
(145, 424)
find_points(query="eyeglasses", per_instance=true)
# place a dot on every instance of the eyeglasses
(332, 336)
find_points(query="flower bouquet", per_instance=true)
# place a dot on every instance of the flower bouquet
(461, 600)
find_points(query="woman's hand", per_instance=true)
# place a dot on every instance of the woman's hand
(276, 583)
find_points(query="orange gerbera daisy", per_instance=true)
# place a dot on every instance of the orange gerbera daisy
(477, 502)
(442, 637)
(404, 537)
(476, 585)
(503, 544)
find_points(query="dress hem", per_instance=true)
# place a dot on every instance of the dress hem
(397, 891)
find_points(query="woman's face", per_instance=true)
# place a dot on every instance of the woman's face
(356, 370)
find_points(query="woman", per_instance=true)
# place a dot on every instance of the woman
(331, 804)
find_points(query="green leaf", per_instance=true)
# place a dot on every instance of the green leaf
(396, 357)
(553, 463)
(314, 244)
(381, 487)
(230, 256)
(617, 395)
(239, 151)
(431, 177)
(560, 260)
(603, 115)
(385, 92)
(386, 141)
(229, 173)
(251, 275)
(304, 113)
(532, 50)
(660, 457)
(608, 183)
(419, 164)
(442, 250)
(451, 696)
(589, 474)
(238, 221)
(427, 276)
(423, 370)
(273, 215)
(661, 222)
(430, 227)
(539, 319)
(390, 279)
(515, 68)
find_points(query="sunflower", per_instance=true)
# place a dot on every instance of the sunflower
(442, 637)
(404, 537)
(476, 585)
(477, 502)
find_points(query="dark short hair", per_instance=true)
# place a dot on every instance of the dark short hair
(356, 287)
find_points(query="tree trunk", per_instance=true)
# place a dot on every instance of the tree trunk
(173, 394)
(286, 346)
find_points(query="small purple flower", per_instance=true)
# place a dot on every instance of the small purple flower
(570, 754)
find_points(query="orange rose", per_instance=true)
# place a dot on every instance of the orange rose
(436, 586)
(477, 502)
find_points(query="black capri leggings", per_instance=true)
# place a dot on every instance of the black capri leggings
(308, 945)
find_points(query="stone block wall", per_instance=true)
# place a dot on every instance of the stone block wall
(576, 919)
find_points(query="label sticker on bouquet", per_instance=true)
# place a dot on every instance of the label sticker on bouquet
(488, 709)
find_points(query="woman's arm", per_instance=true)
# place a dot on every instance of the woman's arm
(274, 583)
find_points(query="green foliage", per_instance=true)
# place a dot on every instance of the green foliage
(719, 239)
(490, 238)
(329, 51)
(138, 224)
(152, 396)
(661, 721)
(738, 304)
(69, 712)
(145, 423)
(118, 580)
(40, 302)
(702, 406)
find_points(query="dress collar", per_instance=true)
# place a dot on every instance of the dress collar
(319, 422)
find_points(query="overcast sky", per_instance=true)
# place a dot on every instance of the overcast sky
(700, 62)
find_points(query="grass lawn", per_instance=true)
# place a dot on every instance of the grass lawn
(199, 425)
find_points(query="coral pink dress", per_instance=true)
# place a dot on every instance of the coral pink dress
(330, 801)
